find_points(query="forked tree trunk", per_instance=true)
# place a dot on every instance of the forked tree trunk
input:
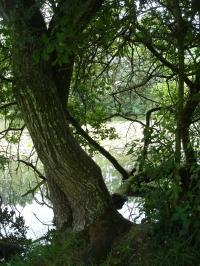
(73, 171)
(75, 180)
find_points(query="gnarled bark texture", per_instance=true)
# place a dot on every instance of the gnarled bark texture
(79, 195)
(62, 211)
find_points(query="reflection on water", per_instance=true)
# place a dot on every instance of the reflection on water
(39, 217)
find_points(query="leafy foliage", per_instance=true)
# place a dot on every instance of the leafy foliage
(59, 249)
(137, 61)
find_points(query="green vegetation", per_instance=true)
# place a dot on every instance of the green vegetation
(68, 69)
(58, 249)
(136, 248)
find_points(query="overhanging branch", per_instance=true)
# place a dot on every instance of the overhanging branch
(148, 43)
(98, 147)
(34, 168)
(33, 190)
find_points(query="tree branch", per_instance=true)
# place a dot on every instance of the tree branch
(34, 168)
(188, 111)
(6, 79)
(147, 134)
(126, 118)
(98, 147)
(148, 43)
(7, 105)
(77, 12)
(12, 129)
(32, 190)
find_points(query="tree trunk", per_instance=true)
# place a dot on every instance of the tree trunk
(180, 88)
(62, 211)
(79, 194)
(75, 180)
(188, 113)
(71, 168)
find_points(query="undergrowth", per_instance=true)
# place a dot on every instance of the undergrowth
(169, 236)
(138, 247)
(177, 252)
(59, 250)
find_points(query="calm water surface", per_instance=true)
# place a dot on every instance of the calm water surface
(38, 217)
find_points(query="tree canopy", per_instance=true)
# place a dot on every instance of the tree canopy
(67, 68)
